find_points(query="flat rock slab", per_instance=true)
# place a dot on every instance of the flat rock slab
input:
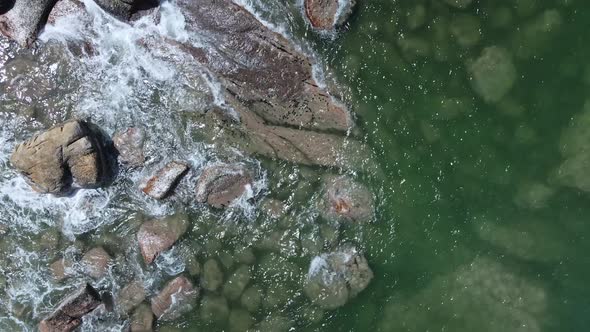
(65, 156)
(156, 236)
(219, 185)
(69, 312)
(178, 297)
(163, 182)
(328, 14)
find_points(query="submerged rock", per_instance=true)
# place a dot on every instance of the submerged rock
(129, 144)
(65, 156)
(177, 298)
(142, 319)
(328, 14)
(237, 282)
(156, 236)
(240, 320)
(24, 19)
(345, 199)
(219, 185)
(69, 312)
(214, 308)
(212, 276)
(336, 277)
(493, 74)
(96, 262)
(163, 182)
(459, 3)
(130, 297)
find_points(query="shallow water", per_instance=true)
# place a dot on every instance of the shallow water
(475, 228)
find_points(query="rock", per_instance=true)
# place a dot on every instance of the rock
(219, 185)
(237, 282)
(533, 195)
(493, 74)
(466, 29)
(165, 179)
(96, 262)
(129, 144)
(328, 14)
(68, 314)
(345, 199)
(275, 324)
(537, 35)
(251, 298)
(336, 277)
(65, 155)
(65, 8)
(130, 297)
(212, 276)
(61, 269)
(459, 3)
(240, 320)
(177, 298)
(123, 9)
(142, 319)
(214, 308)
(24, 19)
(155, 236)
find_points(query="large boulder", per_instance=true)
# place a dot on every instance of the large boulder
(177, 298)
(346, 200)
(68, 315)
(70, 155)
(221, 184)
(156, 236)
(24, 19)
(336, 277)
(328, 14)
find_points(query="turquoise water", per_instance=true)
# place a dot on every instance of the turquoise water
(475, 228)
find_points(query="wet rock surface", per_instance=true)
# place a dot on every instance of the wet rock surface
(68, 314)
(219, 185)
(156, 236)
(336, 277)
(178, 297)
(96, 262)
(66, 156)
(163, 182)
(328, 14)
(24, 19)
(123, 9)
(346, 200)
(129, 144)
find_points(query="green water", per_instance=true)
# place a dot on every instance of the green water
(450, 170)
(475, 228)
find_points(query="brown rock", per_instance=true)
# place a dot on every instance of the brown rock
(96, 262)
(25, 19)
(178, 297)
(60, 269)
(130, 297)
(142, 319)
(345, 199)
(164, 181)
(66, 154)
(155, 236)
(219, 185)
(69, 312)
(129, 143)
(328, 14)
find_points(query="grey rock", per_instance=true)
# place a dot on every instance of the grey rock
(123, 9)
(177, 298)
(214, 308)
(328, 14)
(69, 312)
(69, 152)
(24, 19)
(335, 277)
(165, 179)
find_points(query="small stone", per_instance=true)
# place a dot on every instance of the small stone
(129, 144)
(226, 259)
(69, 312)
(493, 74)
(328, 14)
(156, 236)
(214, 308)
(237, 282)
(177, 298)
(96, 262)
(344, 199)
(219, 185)
(251, 298)
(240, 320)
(142, 319)
(336, 277)
(212, 276)
(131, 296)
(163, 182)
(275, 324)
